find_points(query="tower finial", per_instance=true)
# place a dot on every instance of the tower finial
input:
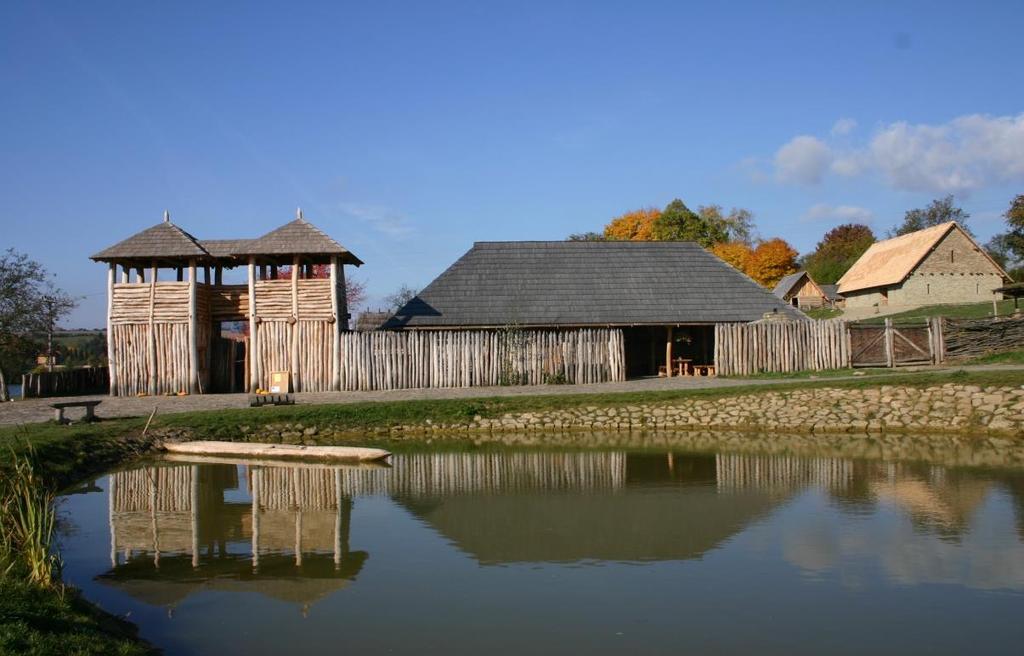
(298, 213)
(167, 216)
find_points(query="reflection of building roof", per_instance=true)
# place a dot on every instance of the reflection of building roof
(277, 576)
(634, 524)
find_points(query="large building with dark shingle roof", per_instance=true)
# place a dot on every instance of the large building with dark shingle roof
(657, 292)
(168, 332)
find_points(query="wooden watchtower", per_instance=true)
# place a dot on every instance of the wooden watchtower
(163, 322)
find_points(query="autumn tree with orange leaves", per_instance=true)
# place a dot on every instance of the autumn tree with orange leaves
(736, 253)
(637, 225)
(770, 261)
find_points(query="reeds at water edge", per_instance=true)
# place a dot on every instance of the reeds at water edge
(27, 522)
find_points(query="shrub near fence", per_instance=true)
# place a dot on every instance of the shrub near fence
(384, 360)
(66, 382)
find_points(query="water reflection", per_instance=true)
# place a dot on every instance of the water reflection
(284, 531)
(175, 530)
(595, 551)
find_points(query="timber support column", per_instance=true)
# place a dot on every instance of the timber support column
(253, 355)
(111, 364)
(336, 304)
(296, 268)
(193, 329)
(151, 342)
(668, 354)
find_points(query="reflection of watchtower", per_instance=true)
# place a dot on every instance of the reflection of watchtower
(173, 529)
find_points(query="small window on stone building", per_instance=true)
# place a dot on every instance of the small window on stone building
(977, 288)
(951, 255)
(928, 288)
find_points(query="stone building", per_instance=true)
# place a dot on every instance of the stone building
(937, 265)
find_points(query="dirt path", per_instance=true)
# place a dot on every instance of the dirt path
(37, 410)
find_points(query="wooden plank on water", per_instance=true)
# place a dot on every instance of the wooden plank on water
(247, 450)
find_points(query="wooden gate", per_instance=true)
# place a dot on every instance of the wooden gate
(892, 346)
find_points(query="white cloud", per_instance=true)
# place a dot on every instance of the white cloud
(840, 213)
(960, 156)
(964, 155)
(804, 160)
(382, 219)
(843, 127)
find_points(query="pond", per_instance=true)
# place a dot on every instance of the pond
(548, 551)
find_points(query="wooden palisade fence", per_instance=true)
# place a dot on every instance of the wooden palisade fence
(382, 360)
(781, 346)
(65, 382)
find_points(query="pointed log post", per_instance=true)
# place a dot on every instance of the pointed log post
(295, 325)
(193, 330)
(254, 365)
(111, 363)
(336, 328)
(668, 354)
(151, 341)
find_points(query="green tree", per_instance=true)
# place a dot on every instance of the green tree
(677, 222)
(1007, 248)
(585, 236)
(738, 224)
(29, 305)
(940, 210)
(837, 251)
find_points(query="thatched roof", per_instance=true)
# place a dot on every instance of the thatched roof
(167, 241)
(890, 261)
(162, 240)
(579, 283)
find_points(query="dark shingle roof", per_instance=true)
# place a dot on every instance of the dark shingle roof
(831, 292)
(787, 283)
(299, 237)
(588, 283)
(162, 240)
(225, 247)
(166, 240)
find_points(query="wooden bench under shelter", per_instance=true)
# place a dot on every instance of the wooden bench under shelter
(59, 408)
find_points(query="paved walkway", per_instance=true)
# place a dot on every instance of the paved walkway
(37, 410)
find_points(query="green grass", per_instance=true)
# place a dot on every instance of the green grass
(823, 313)
(1006, 357)
(36, 622)
(825, 374)
(64, 451)
(964, 311)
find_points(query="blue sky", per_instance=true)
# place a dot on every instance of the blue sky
(409, 130)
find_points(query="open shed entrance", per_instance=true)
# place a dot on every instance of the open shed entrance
(647, 349)
(229, 357)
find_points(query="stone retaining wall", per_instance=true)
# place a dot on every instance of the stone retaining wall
(949, 408)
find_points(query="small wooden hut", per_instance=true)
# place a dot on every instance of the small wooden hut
(164, 323)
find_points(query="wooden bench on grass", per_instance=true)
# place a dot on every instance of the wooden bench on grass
(59, 408)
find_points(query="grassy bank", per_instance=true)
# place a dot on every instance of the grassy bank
(69, 451)
(38, 614)
(962, 311)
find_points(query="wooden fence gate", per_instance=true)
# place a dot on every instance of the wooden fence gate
(892, 346)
